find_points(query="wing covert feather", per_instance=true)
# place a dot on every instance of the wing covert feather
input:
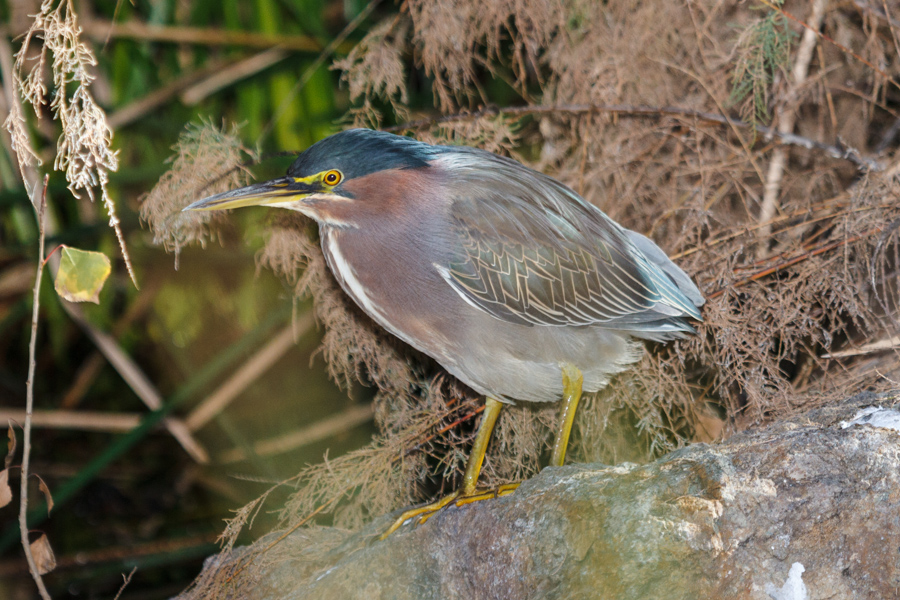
(529, 250)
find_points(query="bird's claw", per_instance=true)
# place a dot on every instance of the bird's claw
(421, 514)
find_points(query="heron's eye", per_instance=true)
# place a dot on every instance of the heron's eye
(332, 177)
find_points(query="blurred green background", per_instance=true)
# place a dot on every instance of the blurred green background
(142, 499)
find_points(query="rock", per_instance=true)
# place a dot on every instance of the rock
(707, 521)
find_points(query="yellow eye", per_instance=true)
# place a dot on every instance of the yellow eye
(332, 177)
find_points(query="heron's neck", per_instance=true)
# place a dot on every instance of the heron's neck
(345, 265)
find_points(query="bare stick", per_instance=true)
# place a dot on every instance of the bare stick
(322, 430)
(29, 400)
(126, 582)
(91, 367)
(787, 116)
(76, 420)
(137, 380)
(231, 74)
(134, 111)
(877, 346)
(136, 30)
(842, 48)
(249, 372)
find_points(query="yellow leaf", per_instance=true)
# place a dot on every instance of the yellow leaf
(81, 275)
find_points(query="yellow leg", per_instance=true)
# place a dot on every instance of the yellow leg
(572, 382)
(479, 446)
(466, 493)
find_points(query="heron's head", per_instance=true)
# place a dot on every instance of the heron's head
(337, 180)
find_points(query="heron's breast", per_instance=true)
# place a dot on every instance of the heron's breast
(395, 286)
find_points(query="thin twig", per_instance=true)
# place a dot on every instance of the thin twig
(892, 28)
(838, 200)
(787, 117)
(137, 380)
(839, 152)
(92, 366)
(133, 111)
(108, 35)
(29, 399)
(321, 430)
(789, 263)
(875, 10)
(231, 74)
(865, 96)
(252, 369)
(76, 420)
(125, 583)
(136, 30)
(840, 47)
(467, 417)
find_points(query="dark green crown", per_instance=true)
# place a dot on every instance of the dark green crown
(360, 152)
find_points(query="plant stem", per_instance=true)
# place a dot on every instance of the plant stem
(29, 400)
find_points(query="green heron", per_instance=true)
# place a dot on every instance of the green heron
(506, 277)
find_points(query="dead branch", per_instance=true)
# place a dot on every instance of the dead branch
(828, 39)
(40, 204)
(793, 261)
(135, 30)
(253, 368)
(787, 116)
(316, 432)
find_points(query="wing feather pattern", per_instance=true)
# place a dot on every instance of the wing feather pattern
(529, 250)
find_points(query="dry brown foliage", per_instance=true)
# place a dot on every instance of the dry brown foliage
(43, 554)
(202, 149)
(783, 295)
(84, 148)
(375, 68)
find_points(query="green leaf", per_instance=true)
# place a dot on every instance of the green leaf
(81, 275)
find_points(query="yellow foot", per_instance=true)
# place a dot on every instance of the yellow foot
(502, 490)
(423, 513)
(428, 509)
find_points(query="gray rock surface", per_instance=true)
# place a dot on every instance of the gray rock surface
(707, 521)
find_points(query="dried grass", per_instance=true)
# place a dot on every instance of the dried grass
(202, 149)
(821, 279)
(375, 69)
(84, 148)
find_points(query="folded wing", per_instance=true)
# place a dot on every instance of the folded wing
(528, 250)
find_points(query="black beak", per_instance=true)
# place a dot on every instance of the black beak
(276, 191)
